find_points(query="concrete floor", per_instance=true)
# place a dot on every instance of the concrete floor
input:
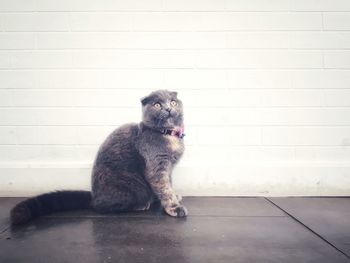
(218, 229)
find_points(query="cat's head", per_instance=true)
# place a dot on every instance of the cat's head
(162, 110)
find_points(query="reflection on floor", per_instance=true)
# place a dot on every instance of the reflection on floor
(218, 229)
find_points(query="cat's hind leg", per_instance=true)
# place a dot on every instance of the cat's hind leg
(121, 199)
(113, 203)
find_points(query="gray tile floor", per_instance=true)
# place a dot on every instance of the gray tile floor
(218, 229)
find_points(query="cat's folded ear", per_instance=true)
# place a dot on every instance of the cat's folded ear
(174, 94)
(145, 100)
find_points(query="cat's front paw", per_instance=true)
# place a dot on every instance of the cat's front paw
(177, 211)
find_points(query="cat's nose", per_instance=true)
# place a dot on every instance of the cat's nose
(168, 109)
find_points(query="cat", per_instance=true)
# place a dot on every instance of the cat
(132, 169)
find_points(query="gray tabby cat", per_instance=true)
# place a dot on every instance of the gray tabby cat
(132, 169)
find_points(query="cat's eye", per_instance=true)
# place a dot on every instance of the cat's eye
(173, 103)
(157, 106)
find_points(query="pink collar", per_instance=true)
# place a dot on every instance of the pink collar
(179, 132)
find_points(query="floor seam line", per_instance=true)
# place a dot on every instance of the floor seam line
(308, 228)
(144, 217)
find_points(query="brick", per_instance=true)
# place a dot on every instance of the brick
(67, 116)
(241, 21)
(40, 98)
(320, 5)
(247, 117)
(266, 39)
(52, 79)
(306, 136)
(36, 22)
(68, 98)
(68, 79)
(293, 98)
(259, 79)
(100, 21)
(17, 41)
(179, 79)
(337, 59)
(93, 135)
(229, 136)
(147, 79)
(258, 5)
(192, 40)
(117, 5)
(37, 135)
(337, 97)
(17, 5)
(303, 116)
(277, 116)
(170, 21)
(63, 135)
(207, 155)
(213, 155)
(14, 116)
(336, 21)
(320, 40)
(5, 98)
(206, 116)
(323, 153)
(222, 98)
(133, 59)
(48, 153)
(89, 116)
(261, 153)
(128, 40)
(194, 5)
(321, 79)
(224, 21)
(259, 59)
(17, 79)
(8, 135)
(4, 60)
(52, 5)
(41, 59)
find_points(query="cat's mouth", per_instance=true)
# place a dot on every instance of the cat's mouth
(165, 120)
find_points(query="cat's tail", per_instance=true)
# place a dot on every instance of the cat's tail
(49, 203)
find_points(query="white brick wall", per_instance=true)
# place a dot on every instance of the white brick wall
(266, 87)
